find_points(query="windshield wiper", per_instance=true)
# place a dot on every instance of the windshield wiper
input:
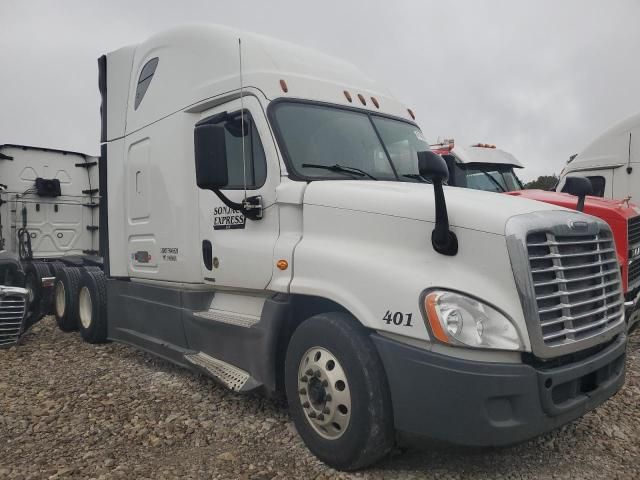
(490, 177)
(417, 176)
(340, 168)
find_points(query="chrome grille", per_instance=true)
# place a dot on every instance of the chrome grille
(576, 282)
(12, 312)
(633, 231)
(633, 240)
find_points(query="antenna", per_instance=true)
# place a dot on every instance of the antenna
(244, 164)
(629, 167)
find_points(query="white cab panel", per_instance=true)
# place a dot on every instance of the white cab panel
(373, 263)
(161, 212)
(118, 74)
(244, 256)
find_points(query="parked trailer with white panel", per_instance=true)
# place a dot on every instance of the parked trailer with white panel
(49, 208)
(274, 230)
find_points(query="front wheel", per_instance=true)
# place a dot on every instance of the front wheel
(338, 393)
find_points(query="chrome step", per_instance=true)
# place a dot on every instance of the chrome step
(231, 318)
(233, 377)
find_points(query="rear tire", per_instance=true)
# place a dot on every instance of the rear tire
(35, 271)
(337, 391)
(65, 299)
(92, 268)
(55, 268)
(92, 307)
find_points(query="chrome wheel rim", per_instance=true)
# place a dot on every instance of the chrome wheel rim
(61, 302)
(85, 307)
(324, 393)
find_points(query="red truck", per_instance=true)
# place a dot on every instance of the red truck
(484, 167)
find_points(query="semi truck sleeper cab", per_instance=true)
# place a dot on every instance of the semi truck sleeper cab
(273, 231)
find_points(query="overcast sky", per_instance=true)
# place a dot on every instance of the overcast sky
(538, 78)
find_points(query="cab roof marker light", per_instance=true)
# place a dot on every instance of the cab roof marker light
(374, 100)
(362, 99)
(413, 115)
(484, 145)
(283, 86)
(347, 95)
(447, 144)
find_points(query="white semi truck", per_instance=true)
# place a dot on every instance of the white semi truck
(49, 208)
(270, 226)
(611, 162)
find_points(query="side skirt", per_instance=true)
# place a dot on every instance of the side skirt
(239, 351)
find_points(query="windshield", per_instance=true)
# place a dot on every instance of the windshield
(489, 177)
(314, 137)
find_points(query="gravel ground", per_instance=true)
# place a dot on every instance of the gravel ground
(73, 410)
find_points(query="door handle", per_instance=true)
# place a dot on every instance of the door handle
(207, 254)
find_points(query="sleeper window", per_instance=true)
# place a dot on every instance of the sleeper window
(144, 80)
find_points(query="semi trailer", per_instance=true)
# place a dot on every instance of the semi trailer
(482, 166)
(265, 220)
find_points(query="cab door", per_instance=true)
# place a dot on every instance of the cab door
(237, 252)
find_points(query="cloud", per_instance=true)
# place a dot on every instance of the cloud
(538, 78)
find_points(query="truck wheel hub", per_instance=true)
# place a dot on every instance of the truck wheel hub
(85, 307)
(324, 393)
(61, 302)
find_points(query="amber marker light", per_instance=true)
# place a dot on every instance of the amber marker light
(362, 100)
(347, 95)
(430, 307)
(282, 264)
(283, 86)
(375, 102)
(413, 115)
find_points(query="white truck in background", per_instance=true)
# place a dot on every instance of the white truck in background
(49, 207)
(267, 222)
(611, 162)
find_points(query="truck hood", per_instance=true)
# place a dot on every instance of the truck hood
(599, 207)
(467, 208)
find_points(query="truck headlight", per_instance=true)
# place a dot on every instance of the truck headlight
(460, 320)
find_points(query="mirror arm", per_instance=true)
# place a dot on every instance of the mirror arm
(444, 241)
(580, 205)
(251, 207)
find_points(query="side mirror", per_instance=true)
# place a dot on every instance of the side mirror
(211, 165)
(580, 187)
(211, 156)
(433, 167)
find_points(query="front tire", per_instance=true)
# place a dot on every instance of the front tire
(337, 391)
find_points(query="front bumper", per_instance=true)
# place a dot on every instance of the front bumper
(491, 404)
